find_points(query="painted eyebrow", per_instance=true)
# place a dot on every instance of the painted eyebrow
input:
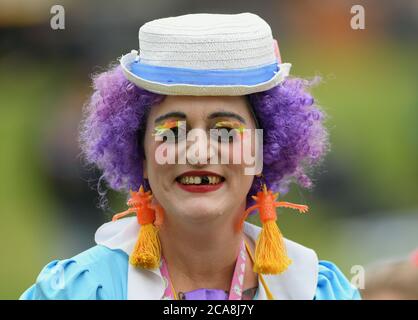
(226, 114)
(177, 114)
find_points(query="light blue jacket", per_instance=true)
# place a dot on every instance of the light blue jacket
(102, 272)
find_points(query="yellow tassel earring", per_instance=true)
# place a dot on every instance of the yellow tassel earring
(270, 250)
(147, 251)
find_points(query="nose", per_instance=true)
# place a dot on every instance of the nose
(199, 149)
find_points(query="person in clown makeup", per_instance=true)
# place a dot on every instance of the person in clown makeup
(184, 234)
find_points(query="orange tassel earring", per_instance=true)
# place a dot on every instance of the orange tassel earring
(270, 250)
(147, 251)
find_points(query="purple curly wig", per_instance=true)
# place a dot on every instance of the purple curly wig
(114, 120)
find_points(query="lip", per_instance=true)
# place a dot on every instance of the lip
(200, 188)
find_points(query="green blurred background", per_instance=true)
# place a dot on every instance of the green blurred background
(364, 206)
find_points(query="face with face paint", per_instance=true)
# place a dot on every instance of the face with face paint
(199, 188)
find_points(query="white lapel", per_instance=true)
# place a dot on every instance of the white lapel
(143, 284)
(297, 282)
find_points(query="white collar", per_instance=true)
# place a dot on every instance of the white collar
(298, 282)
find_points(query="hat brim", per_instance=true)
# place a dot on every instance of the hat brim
(221, 88)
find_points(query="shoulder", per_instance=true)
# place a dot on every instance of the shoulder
(97, 273)
(333, 285)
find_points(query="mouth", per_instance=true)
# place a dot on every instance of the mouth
(200, 181)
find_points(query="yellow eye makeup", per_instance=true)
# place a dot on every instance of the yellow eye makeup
(236, 127)
(231, 124)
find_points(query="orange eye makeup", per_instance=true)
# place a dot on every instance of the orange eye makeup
(167, 125)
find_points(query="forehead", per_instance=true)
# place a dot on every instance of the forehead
(202, 106)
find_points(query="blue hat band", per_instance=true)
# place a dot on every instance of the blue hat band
(171, 75)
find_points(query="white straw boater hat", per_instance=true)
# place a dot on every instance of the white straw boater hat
(206, 54)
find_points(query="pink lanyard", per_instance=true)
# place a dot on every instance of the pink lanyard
(235, 292)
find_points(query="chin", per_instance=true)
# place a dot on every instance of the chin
(201, 210)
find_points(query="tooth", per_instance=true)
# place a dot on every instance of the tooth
(198, 179)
